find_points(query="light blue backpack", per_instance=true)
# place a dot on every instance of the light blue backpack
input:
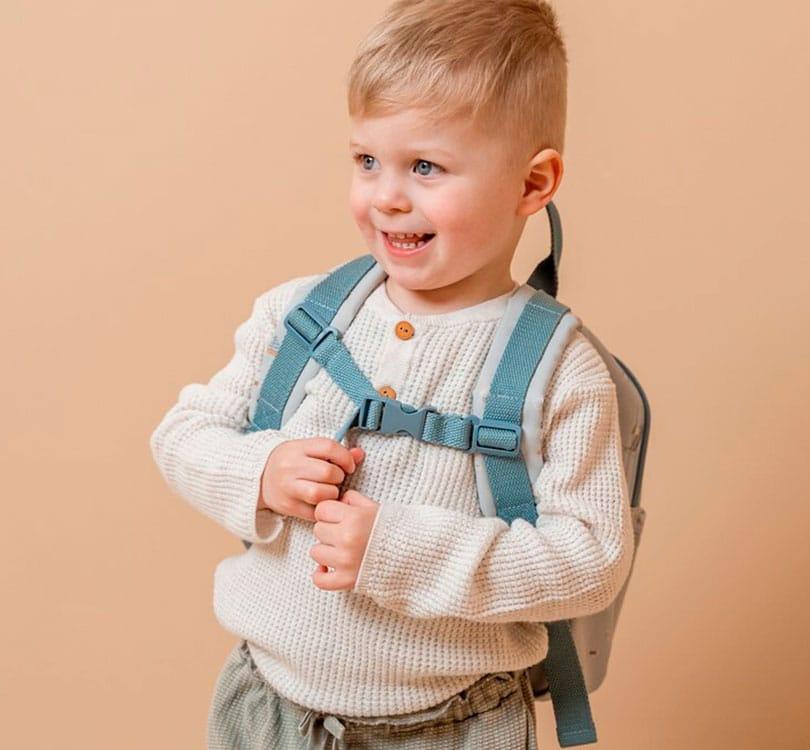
(502, 433)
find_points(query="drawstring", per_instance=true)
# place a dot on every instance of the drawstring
(328, 730)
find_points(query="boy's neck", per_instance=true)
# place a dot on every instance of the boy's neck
(464, 293)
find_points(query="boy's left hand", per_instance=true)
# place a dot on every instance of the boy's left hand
(343, 527)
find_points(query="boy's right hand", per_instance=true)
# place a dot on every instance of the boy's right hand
(300, 473)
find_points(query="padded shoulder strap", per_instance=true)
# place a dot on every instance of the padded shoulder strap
(527, 346)
(520, 343)
(533, 403)
(332, 302)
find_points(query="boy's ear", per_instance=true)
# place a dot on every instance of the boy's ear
(542, 177)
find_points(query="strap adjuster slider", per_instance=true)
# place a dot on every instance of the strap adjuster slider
(302, 322)
(490, 444)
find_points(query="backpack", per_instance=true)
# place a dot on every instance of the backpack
(526, 348)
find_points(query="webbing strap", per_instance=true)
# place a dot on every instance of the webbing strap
(546, 275)
(569, 696)
(509, 480)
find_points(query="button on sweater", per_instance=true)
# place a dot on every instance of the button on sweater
(444, 594)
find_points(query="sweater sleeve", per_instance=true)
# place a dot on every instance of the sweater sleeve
(427, 561)
(201, 447)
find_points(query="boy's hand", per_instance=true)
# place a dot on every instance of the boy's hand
(343, 527)
(301, 473)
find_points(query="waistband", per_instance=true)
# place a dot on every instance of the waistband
(326, 731)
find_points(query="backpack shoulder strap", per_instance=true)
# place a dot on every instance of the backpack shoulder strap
(332, 302)
(534, 400)
(528, 343)
(532, 332)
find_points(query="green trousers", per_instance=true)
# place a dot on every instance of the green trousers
(496, 712)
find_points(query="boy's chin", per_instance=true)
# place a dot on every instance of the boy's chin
(415, 280)
(410, 277)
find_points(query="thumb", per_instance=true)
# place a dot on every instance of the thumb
(358, 454)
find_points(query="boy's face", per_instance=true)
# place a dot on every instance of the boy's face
(449, 180)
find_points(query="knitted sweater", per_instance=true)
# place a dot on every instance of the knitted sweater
(444, 593)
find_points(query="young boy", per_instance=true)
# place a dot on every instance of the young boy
(395, 614)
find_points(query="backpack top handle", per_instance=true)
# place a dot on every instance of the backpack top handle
(546, 274)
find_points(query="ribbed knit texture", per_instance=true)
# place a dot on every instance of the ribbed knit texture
(444, 594)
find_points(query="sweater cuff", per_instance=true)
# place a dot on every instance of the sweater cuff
(371, 579)
(258, 525)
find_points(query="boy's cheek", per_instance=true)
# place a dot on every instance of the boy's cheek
(358, 206)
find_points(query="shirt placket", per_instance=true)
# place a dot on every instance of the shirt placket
(397, 353)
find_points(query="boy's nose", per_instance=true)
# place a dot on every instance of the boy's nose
(391, 197)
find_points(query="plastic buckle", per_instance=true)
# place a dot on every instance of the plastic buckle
(325, 330)
(494, 424)
(396, 418)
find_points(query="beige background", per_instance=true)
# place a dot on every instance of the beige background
(165, 162)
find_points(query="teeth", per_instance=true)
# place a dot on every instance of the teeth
(408, 241)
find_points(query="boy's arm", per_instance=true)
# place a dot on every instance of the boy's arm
(200, 445)
(428, 561)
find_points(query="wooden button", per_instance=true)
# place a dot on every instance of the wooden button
(404, 330)
(388, 391)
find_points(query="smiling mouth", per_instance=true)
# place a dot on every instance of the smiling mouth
(408, 244)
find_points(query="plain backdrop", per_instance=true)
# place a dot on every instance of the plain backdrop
(163, 163)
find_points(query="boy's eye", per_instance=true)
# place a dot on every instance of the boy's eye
(362, 159)
(425, 161)
(367, 160)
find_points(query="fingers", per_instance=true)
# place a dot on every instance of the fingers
(330, 450)
(313, 492)
(318, 470)
(300, 509)
(326, 554)
(331, 573)
(332, 580)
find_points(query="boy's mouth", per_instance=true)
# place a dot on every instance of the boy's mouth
(400, 244)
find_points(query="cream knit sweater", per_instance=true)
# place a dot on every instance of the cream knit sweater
(444, 593)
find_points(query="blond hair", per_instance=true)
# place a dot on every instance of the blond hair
(500, 62)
